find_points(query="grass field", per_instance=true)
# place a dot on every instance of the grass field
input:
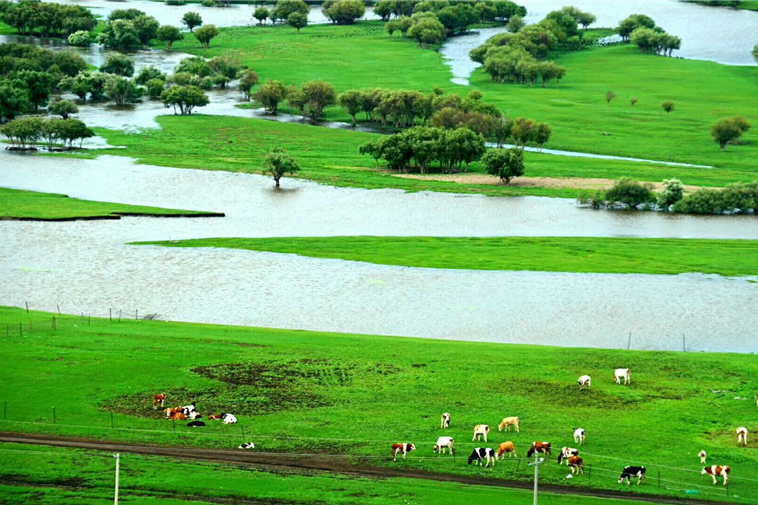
(45, 475)
(32, 205)
(549, 254)
(351, 394)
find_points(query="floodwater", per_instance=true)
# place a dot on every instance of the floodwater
(86, 266)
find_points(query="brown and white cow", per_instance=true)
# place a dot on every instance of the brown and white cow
(403, 447)
(717, 471)
(445, 421)
(444, 443)
(702, 455)
(158, 400)
(480, 430)
(579, 435)
(543, 447)
(507, 423)
(576, 464)
(505, 448)
(622, 373)
(171, 411)
(178, 416)
(742, 436)
(214, 417)
(566, 453)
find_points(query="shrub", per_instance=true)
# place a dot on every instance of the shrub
(673, 191)
(80, 38)
(154, 88)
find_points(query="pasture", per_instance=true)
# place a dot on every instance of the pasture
(355, 395)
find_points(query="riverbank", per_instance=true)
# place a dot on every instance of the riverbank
(545, 254)
(307, 392)
(20, 205)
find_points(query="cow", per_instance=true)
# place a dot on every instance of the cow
(632, 471)
(171, 411)
(215, 417)
(444, 443)
(178, 416)
(194, 415)
(482, 453)
(445, 422)
(566, 453)
(742, 435)
(248, 445)
(622, 373)
(585, 380)
(480, 430)
(188, 408)
(543, 447)
(505, 448)
(576, 464)
(403, 447)
(195, 424)
(228, 419)
(579, 435)
(702, 455)
(717, 471)
(158, 400)
(507, 423)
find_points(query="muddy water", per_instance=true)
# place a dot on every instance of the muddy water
(86, 266)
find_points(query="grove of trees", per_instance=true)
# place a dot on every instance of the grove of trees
(30, 17)
(343, 12)
(185, 98)
(28, 132)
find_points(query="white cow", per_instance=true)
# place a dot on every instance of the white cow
(579, 436)
(480, 430)
(444, 443)
(585, 380)
(742, 436)
(445, 422)
(622, 373)
(228, 419)
(702, 455)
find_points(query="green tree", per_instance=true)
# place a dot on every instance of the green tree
(80, 38)
(755, 53)
(523, 131)
(284, 8)
(427, 31)
(186, 98)
(154, 88)
(192, 20)
(24, 132)
(270, 95)
(147, 28)
(585, 19)
(147, 73)
(542, 134)
(126, 14)
(261, 14)
(247, 79)
(169, 35)
(317, 95)
(515, 24)
(673, 191)
(122, 90)
(504, 163)
(383, 9)
(297, 20)
(343, 12)
(278, 163)
(119, 34)
(633, 101)
(609, 96)
(205, 34)
(119, 64)
(63, 108)
(728, 130)
(630, 193)
(351, 102)
(38, 86)
(14, 101)
(668, 106)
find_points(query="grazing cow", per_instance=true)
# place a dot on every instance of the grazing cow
(702, 455)
(248, 445)
(158, 400)
(632, 471)
(444, 443)
(622, 373)
(717, 471)
(482, 453)
(405, 448)
(579, 436)
(214, 417)
(171, 411)
(445, 422)
(480, 430)
(195, 424)
(543, 447)
(507, 423)
(585, 380)
(742, 436)
(188, 408)
(228, 419)
(576, 464)
(505, 448)
(178, 416)
(566, 453)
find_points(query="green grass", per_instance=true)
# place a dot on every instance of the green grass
(6, 29)
(20, 204)
(353, 394)
(548, 254)
(331, 157)
(53, 471)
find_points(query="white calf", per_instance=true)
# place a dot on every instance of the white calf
(445, 422)
(579, 436)
(742, 436)
(622, 373)
(444, 443)
(480, 430)
(585, 380)
(702, 455)
(228, 419)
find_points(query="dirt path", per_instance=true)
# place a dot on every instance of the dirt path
(269, 460)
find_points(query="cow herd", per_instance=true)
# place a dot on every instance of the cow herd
(183, 413)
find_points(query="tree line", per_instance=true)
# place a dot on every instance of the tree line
(641, 31)
(31, 17)
(28, 132)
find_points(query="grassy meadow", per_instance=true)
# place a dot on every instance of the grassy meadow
(331, 393)
(33, 205)
(546, 254)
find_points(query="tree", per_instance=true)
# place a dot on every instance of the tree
(668, 106)
(278, 163)
(169, 35)
(515, 24)
(154, 88)
(147, 28)
(297, 20)
(351, 102)
(629, 192)
(585, 19)
(633, 101)
(317, 95)
(38, 85)
(148, 73)
(523, 131)
(119, 64)
(609, 95)
(755, 53)
(542, 134)
(63, 108)
(184, 97)
(126, 14)
(119, 34)
(122, 90)
(284, 8)
(343, 12)
(205, 34)
(14, 101)
(504, 163)
(24, 132)
(192, 20)
(270, 94)
(247, 79)
(383, 9)
(80, 38)
(261, 14)
(673, 191)
(728, 130)
(427, 31)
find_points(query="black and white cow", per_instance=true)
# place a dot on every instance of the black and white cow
(188, 409)
(632, 471)
(248, 445)
(482, 453)
(195, 424)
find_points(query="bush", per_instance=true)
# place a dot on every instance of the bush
(175, 2)
(80, 39)
(207, 3)
(625, 192)
(734, 199)
(154, 88)
(673, 191)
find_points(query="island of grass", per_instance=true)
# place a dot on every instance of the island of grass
(300, 392)
(545, 254)
(20, 205)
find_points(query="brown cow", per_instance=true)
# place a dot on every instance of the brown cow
(158, 400)
(505, 448)
(214, 417)
(403, 447)
(171, 411)
(543, 447)
(717, 471)
(576, 463)
(178, 416)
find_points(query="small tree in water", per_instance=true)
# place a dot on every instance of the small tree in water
(278, 163)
